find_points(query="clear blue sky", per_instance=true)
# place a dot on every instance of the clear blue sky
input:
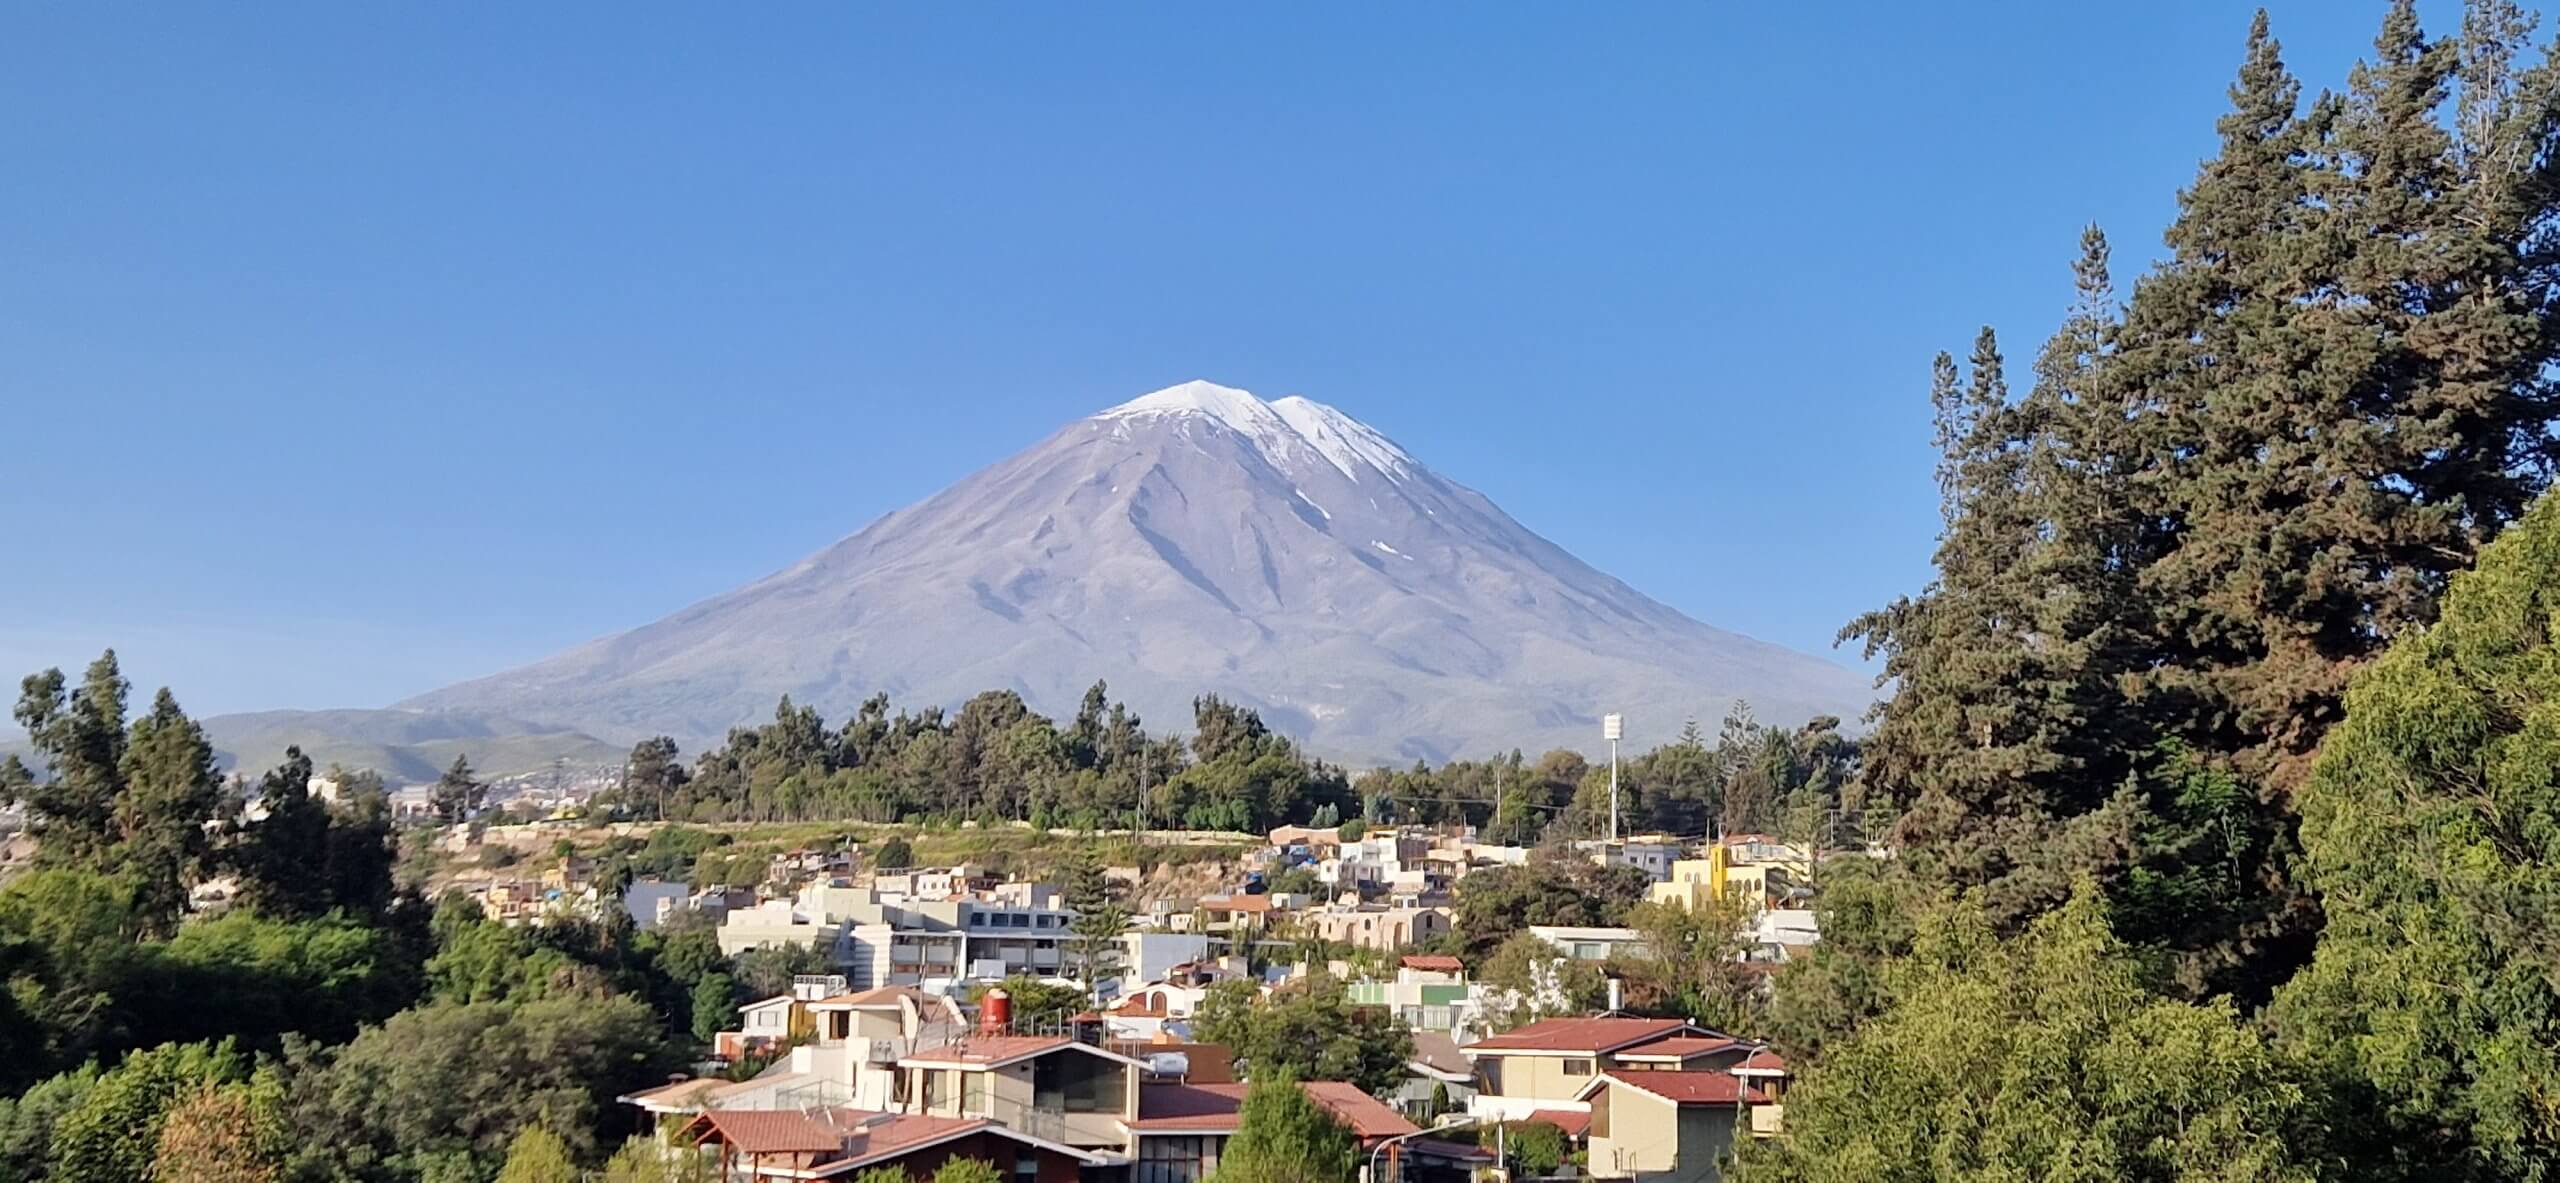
(348, 349)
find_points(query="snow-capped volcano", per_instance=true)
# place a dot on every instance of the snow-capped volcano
(1284, 430)
(1196, 539)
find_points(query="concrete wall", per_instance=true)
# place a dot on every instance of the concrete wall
(1636, 1135)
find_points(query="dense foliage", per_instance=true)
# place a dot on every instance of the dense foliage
(2217, 500)
(996, 759)
(2431, 827)
(2226, 830)
(2044, 1057)
(1307, 1030)
(1284, 1136)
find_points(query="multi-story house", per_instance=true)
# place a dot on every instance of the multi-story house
(1430, 993)
(1548, 1064)
(900, 941)
(1384, 929)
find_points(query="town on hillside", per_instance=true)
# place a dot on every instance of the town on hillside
(962, 1011)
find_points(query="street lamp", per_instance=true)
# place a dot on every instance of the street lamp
(1447, 1122)
(1611, 727)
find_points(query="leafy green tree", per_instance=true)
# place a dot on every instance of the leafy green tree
(768, 970)
(170, 798)
(458, 794)
(1536, 1147)
(28, 1121)
(967, 1170)
(279, 860)
(114, 1131)
(1309, 1029)
(643, 1159)
(2041, 1057)
(2428, 829)
(1822, 996)
(223, 1134)
(894, 855)
(2162, 566)
(481, 960)
(1096, 949)
(448, 1079)
(538, 1156)
(1037, 1005)
(1693, 965)
(714, 1006)
(81, 736)
(135, 802)
(1537, 981)
(1556, 886)
(1283, 1136)
(1298, 880)
(247, 977)
(652, 777)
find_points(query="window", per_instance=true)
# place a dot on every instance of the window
(1577, 1067)
(1177, 1160)
(1075, 1082)
(1026, 1166)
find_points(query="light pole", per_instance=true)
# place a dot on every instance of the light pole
(1611, 727)
(1446, 1123)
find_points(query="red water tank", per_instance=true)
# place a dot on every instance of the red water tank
(995, 1011)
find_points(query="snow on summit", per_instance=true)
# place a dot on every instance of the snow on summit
(1281, 429)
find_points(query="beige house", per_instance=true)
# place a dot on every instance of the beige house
(1666, 1127)
(1384, 929)
(1049, 1086)
(1548, 1064)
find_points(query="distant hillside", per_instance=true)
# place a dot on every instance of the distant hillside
(406, 747)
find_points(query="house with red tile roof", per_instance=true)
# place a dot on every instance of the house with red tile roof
(1050, 1085)
(1181, 1129)
(1665, 1127)
(771, 1146)
(1545, 1064)
(1684, 1053)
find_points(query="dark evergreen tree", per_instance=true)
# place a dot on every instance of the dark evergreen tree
(282, 858)
(458, 795)
(80, 734)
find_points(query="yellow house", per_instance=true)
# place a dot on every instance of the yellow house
(1752, 868)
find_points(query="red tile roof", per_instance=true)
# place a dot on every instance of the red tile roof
(1764, 1061)
(1689, 1088)
(1216, 1108)
(1678, 1047)
(1436, 962)
(1574, 1122)
(1581, 1035)
(987, 1051)
(765, 1131)
(890, 1137)
(877, 996)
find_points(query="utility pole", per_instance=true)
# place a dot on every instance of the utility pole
(1611, 727)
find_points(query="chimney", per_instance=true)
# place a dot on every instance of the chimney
(995, 1012)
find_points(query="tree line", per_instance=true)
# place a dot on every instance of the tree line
(995, 759)
(320, 1021)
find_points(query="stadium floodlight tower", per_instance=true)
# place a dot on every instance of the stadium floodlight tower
(1611, 728)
